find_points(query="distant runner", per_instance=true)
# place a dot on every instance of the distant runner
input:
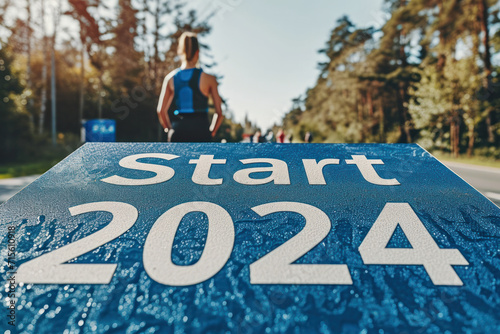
(280, 137)
(308, 137)
(186, 92)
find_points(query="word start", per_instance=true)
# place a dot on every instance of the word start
(278, 169)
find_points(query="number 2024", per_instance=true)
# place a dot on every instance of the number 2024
(275, 267)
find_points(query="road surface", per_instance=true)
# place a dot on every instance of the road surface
(9, 187)
(484, 179)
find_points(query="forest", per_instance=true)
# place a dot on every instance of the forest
(428, 75)
(110, 65)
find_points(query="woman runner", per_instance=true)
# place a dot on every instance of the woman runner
(186, 91)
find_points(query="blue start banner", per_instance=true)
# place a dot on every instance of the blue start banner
(233, 238)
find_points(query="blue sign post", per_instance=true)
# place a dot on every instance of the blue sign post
(215, 238)
(100, 130)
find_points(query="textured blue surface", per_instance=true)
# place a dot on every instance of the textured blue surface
(382, 299)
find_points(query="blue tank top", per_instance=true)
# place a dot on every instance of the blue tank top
(188, 97)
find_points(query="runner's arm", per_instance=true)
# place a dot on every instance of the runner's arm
(218, 117)
(166, 97)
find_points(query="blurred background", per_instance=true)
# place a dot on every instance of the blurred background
(393, 71)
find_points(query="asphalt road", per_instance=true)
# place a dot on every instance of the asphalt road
(484, 179)
(9, 187)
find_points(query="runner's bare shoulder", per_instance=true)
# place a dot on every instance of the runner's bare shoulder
(170, 79)
(210, 79)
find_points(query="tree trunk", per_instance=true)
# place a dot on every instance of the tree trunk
(82, 83)
(99, 103)
(359, 107)
(156, 49)
(369, 102)
(381, 128)
(452, 138)
(442, 45)
(402, 92)
(44, 73)
(472, 137)
(454, 134)
(53, 92)
(29, 83)
(53, 76)
(404, 130)
(147, 53)
(483, 17)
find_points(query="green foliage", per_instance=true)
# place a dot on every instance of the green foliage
(127, 50)
(424, 78)
(40, 156)
(26, 169)
(15, 136)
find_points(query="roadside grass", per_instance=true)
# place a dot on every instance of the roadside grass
(39, 157)
(477, 160)
(25, 169)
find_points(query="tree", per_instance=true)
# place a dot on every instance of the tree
(340, 106)
(89, 34)
(14, 121)
(428, 78)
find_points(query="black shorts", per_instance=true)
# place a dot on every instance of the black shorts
(190, 128)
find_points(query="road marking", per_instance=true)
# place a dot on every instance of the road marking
(494, 196)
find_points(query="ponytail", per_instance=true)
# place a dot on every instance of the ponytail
(188, 45)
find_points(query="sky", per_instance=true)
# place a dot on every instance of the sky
(266, 50)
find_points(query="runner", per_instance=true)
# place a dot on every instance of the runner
(280, 137)
(186, 92)
(308, 137)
